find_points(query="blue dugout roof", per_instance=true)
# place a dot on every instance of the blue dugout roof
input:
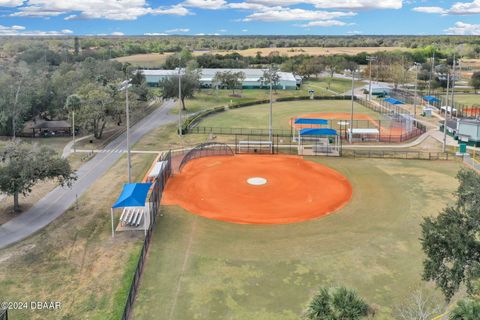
(133, 195)
(430, 99)
(310, 121)
(318, 132)
(393, 101)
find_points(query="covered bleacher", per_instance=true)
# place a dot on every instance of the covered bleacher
(318, 141)
(135, 208)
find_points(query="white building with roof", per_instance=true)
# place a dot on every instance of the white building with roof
(252, 80)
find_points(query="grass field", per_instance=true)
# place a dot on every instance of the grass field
(157, 59)
(257, 116)
(468, 99)
(314, 51)
(150, 60)
(74, 260)
(205, 269)
(206, 98)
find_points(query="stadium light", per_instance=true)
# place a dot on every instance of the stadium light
(416, 64)
(370, 59)
(125, 85)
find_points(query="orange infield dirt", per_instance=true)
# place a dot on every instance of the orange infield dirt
(385, 131)
(294, 190)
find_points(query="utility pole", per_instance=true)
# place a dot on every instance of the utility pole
(431, 75)
(416, 87)
(351, 115)
(127, 110)
(444, 148)
(270, 134)
(370, 59)
(180, 100)
(73, 132)
(453, 85)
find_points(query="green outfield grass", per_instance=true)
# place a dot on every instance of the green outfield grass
(205, 269)
(469, 99)
(207, 98)
(257, 116)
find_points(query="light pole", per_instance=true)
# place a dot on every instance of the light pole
(352, 96)
(180, 100)
(127, 111)
(444, 147)
(453, 85)
(416, 64)
(270, 134)
(370, 59)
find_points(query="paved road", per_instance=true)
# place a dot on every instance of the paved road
(55, 203)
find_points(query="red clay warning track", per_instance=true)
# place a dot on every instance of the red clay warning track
(295, 190)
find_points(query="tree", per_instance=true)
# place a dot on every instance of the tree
(97, 104)
(467, 309)
(229, 79)
(333, 64)
(450, 241)
(22, 167)
(475, 81)
(337, 304)
(420, 305)
(271, 76)
(190, 83)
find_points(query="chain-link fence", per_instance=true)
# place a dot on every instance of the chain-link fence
(209, 149)
(155, 199)
(4, 314)
(471, 162)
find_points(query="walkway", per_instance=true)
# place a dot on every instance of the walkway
(55, 203)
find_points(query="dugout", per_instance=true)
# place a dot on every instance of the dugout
(135, 210)
(363, 134)
(318, 141)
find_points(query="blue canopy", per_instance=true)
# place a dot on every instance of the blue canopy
(310, 121)
(133, 195)
(431, 99)
(393, 101)
(318, 132)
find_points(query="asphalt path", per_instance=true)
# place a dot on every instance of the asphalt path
(59, 200)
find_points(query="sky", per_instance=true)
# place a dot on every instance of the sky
(239, 17)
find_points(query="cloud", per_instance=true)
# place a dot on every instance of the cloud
(206, 4)
(244, 30)
(437, 10)
(154, 34)
(324, 23)
(22, 31)
(178, 30)
(336, 4)
(288, 14)
(11, 3)
(117, 33)
(96, 9)
(459, 8)
(461, 28)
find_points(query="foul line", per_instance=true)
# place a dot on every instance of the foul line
(184, 267)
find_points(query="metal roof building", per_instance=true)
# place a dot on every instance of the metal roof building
(252, 78)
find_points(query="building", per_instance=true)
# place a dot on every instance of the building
(288, 81)
(469, 131)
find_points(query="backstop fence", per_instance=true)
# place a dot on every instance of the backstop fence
(463, 110)
(155, 199)
(209, 149)
(4, 314)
